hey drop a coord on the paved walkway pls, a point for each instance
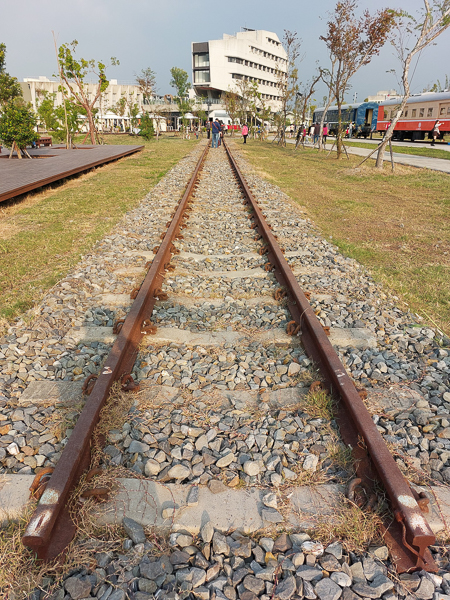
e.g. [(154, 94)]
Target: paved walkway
[(412, 160)]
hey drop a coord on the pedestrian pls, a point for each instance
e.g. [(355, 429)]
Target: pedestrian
[(436, 132), (244, 132), (219, 143), (208, 129), (215, 129), (350, 130), (316, 133), (325, 134)]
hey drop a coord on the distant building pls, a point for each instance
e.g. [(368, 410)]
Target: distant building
[(34, 89), (382, 95), (38, 85), (254, 55)]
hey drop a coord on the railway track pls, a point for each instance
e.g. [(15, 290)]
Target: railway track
[(219, 252)]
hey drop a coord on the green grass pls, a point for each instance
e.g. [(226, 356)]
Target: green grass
[(396, 224), (429, 152), (43, 235)]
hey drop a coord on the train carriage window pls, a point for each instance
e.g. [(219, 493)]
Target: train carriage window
[(414, 112), (421, 112), (448, 110), (430, 112), (442, 110), (406, 114)]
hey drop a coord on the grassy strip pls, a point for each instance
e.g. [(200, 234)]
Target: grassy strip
[(429, 152), (44, 234), (397, 224)]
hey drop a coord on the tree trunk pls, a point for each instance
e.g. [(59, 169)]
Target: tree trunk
[(322, 121), (390, 130), (91, 125), (339, 133)]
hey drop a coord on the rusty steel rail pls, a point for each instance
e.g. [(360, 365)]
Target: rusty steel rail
[(410, 534), (50, 528)]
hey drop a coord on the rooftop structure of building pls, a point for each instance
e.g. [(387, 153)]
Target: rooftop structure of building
[(252, 55)]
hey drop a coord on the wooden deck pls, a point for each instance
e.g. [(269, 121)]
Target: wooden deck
[(54, 163)]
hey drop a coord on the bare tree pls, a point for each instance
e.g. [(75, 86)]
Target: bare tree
[(146, 81), (327, 77), (352, 43), (434, 20), (287, 81), (306, 95), (231, 102)]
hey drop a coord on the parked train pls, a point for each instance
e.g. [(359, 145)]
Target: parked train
[(419, 117), (363, 115)]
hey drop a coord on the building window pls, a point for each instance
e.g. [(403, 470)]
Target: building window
[(201, 76), (201, 60), (430, 112), (233, 59)]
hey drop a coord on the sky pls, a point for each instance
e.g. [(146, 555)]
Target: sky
[(158, 34)]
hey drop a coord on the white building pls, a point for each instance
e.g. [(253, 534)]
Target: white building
[(113, 93), (35, 87), (382, 95), (254, 55)]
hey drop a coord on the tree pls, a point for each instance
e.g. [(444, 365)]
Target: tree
[(17, 127), (287, 81), (46, 110), (9, 86), (434, 20), (306, 95), (120, 107), (352, 43), (54, 119), (437, 86), (133, 111), (147, 131), (146, 81), (74, 72), (231, 102), (199, 112), (180, 81)]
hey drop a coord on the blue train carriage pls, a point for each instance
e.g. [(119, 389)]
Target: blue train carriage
[(363, 116)]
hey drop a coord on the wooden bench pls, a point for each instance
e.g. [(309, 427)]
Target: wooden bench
[(44, 141)]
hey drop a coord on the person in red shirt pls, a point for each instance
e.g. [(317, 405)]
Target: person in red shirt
[(245, 132), (324, 134)]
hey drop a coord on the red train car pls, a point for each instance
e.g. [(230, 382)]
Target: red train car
[(419, 116)]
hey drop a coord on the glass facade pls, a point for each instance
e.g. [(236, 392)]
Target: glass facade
[(201, 76), (201, 60)]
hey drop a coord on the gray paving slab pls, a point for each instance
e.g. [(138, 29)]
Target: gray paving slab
[(41, 392), (116, 300), (14, 496), (355, 337), (144, 500), (342, 338)]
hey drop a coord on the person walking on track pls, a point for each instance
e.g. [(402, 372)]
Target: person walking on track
[(216, 129)]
